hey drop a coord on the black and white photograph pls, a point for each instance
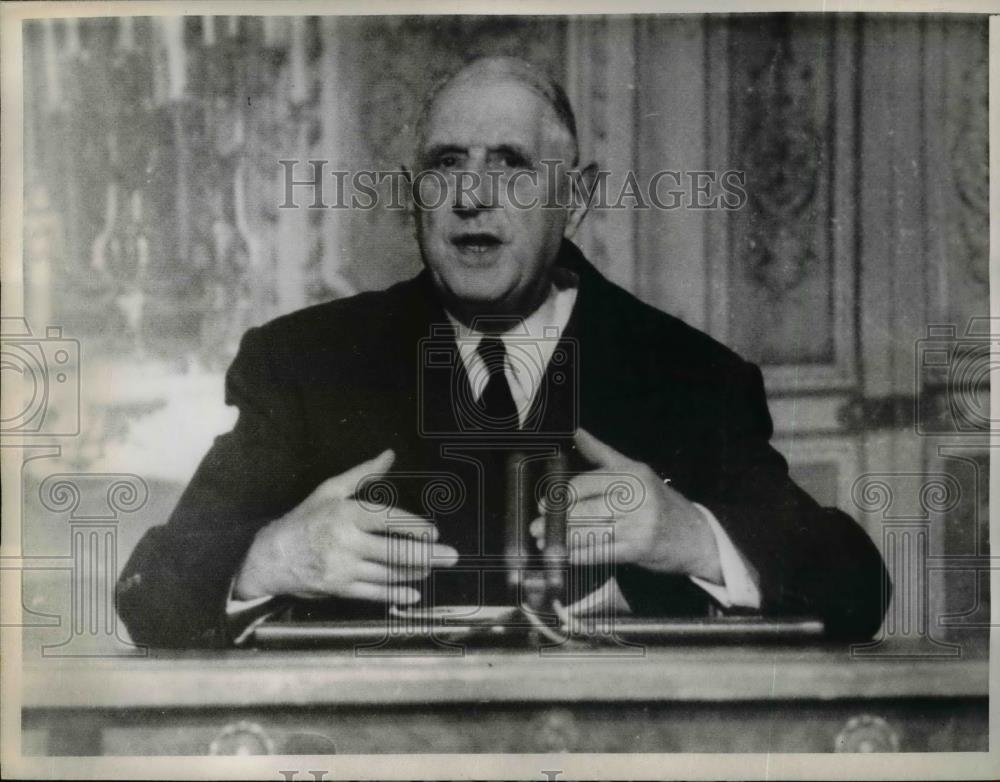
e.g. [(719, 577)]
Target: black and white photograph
[(427, 392)]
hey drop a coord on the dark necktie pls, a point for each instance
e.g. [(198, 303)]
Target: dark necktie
[(497, 413), (496, 405)]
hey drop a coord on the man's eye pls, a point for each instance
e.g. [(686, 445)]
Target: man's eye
[(511, 160), (447, 161)]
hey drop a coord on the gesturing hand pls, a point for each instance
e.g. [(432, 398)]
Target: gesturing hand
[(664, 532), (329, 545)]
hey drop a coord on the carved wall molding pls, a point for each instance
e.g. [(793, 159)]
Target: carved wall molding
[(781, 147), (780, 96), (969, 154)]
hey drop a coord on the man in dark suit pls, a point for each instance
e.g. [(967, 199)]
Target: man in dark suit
[(401, 407)]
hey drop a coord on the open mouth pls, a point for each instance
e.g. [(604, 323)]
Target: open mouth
[(476, 243)]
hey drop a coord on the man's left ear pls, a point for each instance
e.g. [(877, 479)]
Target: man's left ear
[(582, 183)]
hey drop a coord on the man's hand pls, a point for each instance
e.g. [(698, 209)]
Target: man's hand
[(665, 532), (330, 546)]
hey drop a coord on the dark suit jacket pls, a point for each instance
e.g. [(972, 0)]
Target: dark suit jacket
[(327, 387)]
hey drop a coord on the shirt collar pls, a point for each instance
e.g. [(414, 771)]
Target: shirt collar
[(546, 322), (532, 339)]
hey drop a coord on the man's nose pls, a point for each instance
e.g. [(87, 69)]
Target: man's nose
[(474, 192)]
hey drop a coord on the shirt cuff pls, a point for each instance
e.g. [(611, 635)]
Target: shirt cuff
[(740, 584), (606, 598), (243, 616)]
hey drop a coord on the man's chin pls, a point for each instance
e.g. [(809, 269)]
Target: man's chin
[(468, 301), (483, 303)]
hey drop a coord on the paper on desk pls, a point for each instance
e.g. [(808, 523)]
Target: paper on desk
[(605, 598)]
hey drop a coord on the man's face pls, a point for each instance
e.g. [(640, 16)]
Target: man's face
[(486, 255)]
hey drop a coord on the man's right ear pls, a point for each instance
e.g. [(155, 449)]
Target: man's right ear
[(408, 190)]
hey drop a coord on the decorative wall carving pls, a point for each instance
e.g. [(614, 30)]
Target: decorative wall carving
[(788, 258), (782, 152)]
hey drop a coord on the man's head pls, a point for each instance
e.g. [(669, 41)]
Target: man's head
[(491, 237)]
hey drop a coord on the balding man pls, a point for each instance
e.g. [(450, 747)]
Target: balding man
[(508, 341)]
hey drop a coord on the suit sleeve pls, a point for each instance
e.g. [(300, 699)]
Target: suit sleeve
[(811, 560), (173, 590)]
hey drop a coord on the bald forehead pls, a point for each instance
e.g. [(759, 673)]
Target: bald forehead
[(500, 95), (492, 113)]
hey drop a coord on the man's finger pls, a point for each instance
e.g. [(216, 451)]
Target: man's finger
[(405, 552), (368, 521), (599, 550), (580, 536), (346, 484), (400, 595), (593, 507), (586, 486), (601, 484), (597, 453), (596, 508), (375, 573)]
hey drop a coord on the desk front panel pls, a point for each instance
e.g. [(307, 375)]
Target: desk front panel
[(922, 725), (681, 699)]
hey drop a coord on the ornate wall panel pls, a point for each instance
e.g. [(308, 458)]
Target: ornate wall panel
[(789, 257), (957, 159), (957, 281), (863, 142)]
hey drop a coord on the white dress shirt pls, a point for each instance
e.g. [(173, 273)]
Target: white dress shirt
[(529, 347)]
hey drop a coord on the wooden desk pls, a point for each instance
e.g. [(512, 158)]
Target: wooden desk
[(692, 699)]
